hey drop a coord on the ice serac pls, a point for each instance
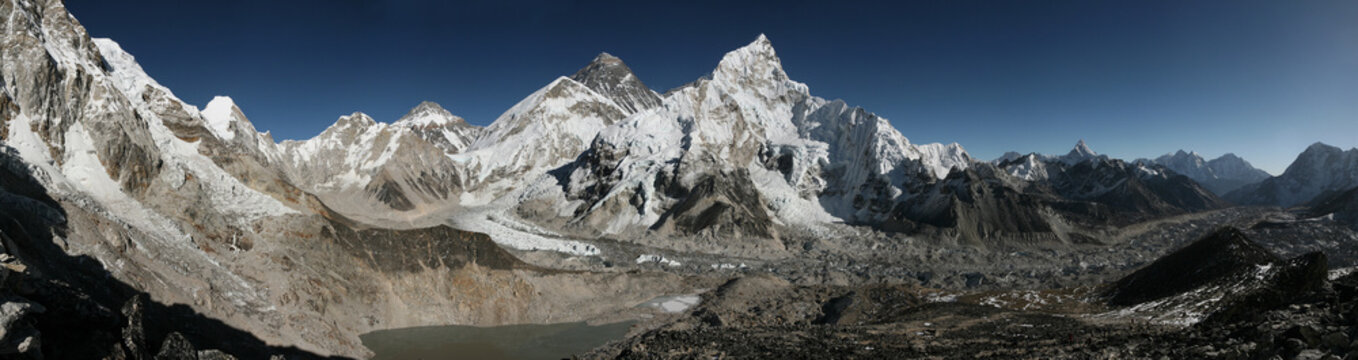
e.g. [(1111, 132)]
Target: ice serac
[(781, 155), (220, 114), (1319, 169), (610, 77), (1220, 175)]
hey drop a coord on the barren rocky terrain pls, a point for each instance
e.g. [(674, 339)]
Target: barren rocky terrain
[(737, 216)]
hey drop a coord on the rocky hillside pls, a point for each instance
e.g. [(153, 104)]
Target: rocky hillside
[(115, 189), (1243, 304), (1319, 169), (1041, 198), (1341, 205)]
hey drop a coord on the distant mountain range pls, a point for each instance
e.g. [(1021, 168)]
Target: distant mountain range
[(372, 220), (1221, 175), (1318, 170)]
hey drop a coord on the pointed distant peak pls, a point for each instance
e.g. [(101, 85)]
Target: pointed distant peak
[(1181, 152), (1320, 146), (1230, 156), (429, 105), (1082, 149), (604, 69), (427, 108), (1079, 154), (356, 118), (757, 60), (608, 76), (760, 45), (429, 113), (761, 39)]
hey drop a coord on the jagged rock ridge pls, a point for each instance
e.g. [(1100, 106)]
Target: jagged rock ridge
[(1319, 169), (1221, 175)]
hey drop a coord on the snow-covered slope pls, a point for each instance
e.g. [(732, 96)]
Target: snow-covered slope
[(777, 151), (542, 132), (132, 168), (440, 127), (1221, 175), (362, 166), (1319, 169)]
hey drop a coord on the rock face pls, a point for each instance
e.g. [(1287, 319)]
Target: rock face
[(112, 188), (608, 76), (807, 158), (1222, 278), (1211, 259), (436, 125), (1343, 205), (361, 166), (1319, 169), (1037, 198), (542, 132), (743, 151), (164, 229), (1248, 303), (1221, 175)]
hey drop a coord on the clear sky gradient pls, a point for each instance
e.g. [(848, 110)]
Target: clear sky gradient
[(1262, 79)]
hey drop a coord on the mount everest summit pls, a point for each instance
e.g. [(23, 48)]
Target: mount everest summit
[(139, 215)]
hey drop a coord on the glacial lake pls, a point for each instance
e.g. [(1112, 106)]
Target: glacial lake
[(510, 342)]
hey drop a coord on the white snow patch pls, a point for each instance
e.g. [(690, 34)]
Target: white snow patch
[(726, 266), (515, 235), (673, 304), (941, 297), (657, 259), (219, 114), (1342, 272)]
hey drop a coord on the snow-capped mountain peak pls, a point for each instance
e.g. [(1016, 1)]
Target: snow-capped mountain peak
[(754, 62), (1080, 153), (1318, 169), (356, 120), (1220, 175), (1081, 149), (220, 113), (610, 77), (606, 58), (543, 131), (428, 113), (439, 127)]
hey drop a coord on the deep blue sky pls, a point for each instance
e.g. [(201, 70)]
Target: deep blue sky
[(1263, 79)]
